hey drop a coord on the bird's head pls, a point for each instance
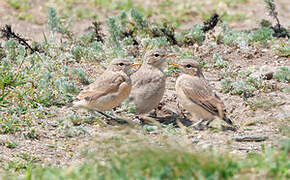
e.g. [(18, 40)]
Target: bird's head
[(157, 58), (190, 67), (121, 64)]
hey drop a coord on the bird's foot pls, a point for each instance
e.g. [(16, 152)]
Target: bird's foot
[(153, 114), (199, 125), (119, 120), (137, 119)]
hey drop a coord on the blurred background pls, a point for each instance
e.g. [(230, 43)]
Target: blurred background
[(30, 16)]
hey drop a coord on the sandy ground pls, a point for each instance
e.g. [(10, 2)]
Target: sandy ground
[(59, 143)]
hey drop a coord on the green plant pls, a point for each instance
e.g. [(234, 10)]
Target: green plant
[(226, 85), (243, 87), (261, 35), (283, 49), (192, 36), (21, 5), (219, 62), (12, 144), (283, 75), (21, 162), (81, 75), (56, 25), (169, 163), (262, 103)]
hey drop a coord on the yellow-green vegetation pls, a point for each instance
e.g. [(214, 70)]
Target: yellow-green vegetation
[(135, 158)]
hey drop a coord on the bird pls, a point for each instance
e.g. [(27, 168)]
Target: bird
[(195, 95), (148, 83), (109, 90)]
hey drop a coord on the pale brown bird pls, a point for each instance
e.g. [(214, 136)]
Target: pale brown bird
[(196, 96), (148, 83), (109, 90)]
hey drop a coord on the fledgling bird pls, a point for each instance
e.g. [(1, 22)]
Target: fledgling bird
[(196, 96), (148, 83), (109, 90)]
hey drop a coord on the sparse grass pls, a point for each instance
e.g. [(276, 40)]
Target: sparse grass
[(244, 87), (283, 75), (243, 38), (219, 62), (18, 4), (172, 162), (36, 86), (263, 103), (192, 36), (262, 35), (283, 49)]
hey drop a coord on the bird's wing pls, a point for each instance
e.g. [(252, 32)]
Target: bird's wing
[(144, 77), (146, 83), (199, 92), (105, 84)]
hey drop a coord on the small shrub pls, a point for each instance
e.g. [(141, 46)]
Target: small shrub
[(219, 62), (56, 25), (226, 85), (192, 36), (243, 87), (283, 49), (283, 75), (262, 35), (81, 75)]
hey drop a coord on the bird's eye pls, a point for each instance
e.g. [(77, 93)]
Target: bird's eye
[(156, 55), (188, 66), (121, 64)]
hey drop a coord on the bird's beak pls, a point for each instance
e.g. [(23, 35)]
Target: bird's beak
[(170, 55), (136, 64), (176, 65)]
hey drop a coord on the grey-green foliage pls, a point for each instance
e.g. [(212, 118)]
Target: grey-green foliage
[(115, 31), (234, 37), (241, 86), (145, 162), (192, 36), (11, 75), (219, 62), (33, 80), (81, 75), (56, 25), (122, 30), (282, 49), (244, 38), (139, 19), (262, 35), (87, 48), (154, 43), (226, 85), (283, 75)]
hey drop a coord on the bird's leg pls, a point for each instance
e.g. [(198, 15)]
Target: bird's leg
[(153, 114), (208, 122), (199, 124), (93, 114), (119, 120), (145, 119), (138, 120), (181, 112)]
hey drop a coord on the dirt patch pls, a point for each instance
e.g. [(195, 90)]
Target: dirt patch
[(59, 142)]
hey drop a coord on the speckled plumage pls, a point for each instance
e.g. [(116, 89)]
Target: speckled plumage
[(109, 90), (196, 96), (148, 83)]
